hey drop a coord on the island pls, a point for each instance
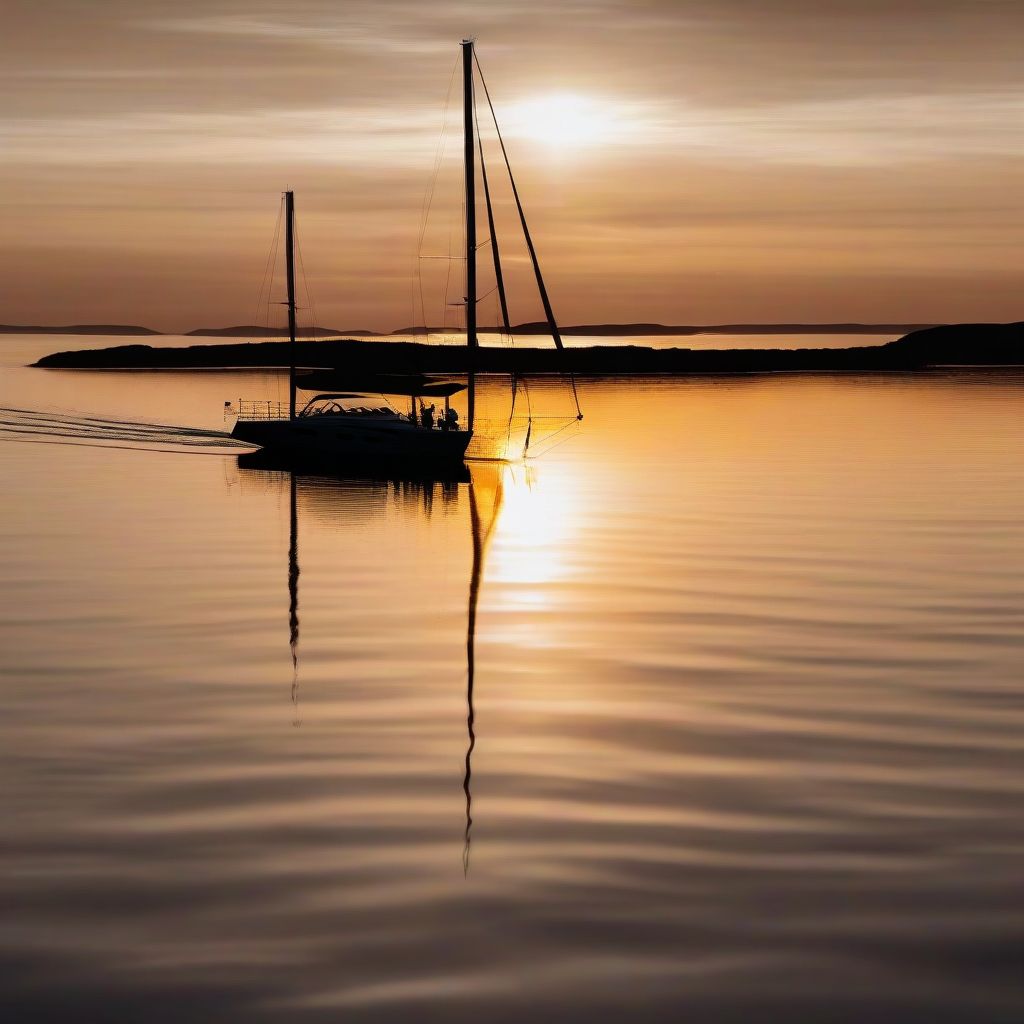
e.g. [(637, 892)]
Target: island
[(631, 330), (960, 344), (532, 327), (77, 329), (252, 331)]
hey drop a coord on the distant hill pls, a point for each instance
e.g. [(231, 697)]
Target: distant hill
[(251, 331), (967, 344), (534, 327), (77, 329), (645, 329)]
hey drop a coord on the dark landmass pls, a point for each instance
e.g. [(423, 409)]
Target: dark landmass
[(803, 329), (403, 356), (967, 345), (77, 329), (962, 344), (269, 332), (640, 330)]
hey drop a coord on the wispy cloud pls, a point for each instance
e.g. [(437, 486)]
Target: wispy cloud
[(345, 34), (873, 132), (355, 136)]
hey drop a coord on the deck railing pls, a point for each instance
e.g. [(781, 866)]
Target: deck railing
[(246, 409)]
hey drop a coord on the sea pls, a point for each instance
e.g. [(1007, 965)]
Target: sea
[(713, 712)]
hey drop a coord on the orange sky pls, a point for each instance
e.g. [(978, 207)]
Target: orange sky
[(715, 161)]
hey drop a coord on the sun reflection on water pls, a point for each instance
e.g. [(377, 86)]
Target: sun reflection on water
[(538, 514)]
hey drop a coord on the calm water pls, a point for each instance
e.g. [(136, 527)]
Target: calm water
[(746, 737)]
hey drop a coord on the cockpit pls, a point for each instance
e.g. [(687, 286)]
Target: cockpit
[(345, 405)]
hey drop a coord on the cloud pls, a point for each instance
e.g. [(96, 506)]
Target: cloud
[(885, 130), (717, 130), (345, 34), (357, 136), (877, 131)]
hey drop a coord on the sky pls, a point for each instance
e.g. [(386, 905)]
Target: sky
[(681, 161)]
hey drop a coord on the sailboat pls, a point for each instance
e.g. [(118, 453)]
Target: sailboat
[(348, 423), (341, 418)]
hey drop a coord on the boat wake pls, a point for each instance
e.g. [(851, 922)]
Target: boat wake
[(75, 428)]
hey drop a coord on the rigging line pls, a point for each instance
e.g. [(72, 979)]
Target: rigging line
[(550, 448), (260, 304), (428, 196), (263, 303), (557, 419), (550, 437), (268, 298), (270, 283), (438, 154), (545, 301), (314, 321), (447, 283), (499, 277)]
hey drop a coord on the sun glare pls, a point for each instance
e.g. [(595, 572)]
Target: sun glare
[(532, 536), (561, 120)]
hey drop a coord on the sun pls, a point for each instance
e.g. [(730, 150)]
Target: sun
[(561, 120)]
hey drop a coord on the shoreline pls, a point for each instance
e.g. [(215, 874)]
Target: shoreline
[(959, 344), (384, 356)]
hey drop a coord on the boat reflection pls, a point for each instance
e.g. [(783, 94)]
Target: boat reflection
[(486, 493), (355, 474), (293, 591), (364, 490)]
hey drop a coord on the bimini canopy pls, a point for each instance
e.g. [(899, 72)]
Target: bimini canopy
[(410, 384)]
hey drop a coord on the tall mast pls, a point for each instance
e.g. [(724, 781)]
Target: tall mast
[(289, 257), (545, 301), (470, 173)]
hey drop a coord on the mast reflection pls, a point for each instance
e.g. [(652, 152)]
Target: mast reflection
[(484, 479), (293, 593), (368, 492)]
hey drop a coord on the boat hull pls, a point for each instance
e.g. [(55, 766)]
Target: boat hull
[(346, 439)]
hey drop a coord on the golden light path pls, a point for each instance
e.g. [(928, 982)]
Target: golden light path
[(532, 532)]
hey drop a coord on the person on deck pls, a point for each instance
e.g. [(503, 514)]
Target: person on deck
[(428, 417), (451, 420)]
